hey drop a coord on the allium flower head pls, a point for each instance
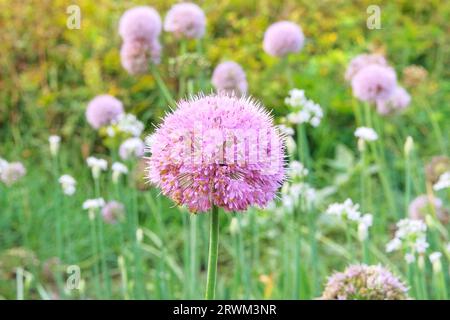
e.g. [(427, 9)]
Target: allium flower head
[(118, 169), (97, 166), (411, 235), (423, 205), (185, 20), (54, 142), (443, 182), (398, 101), (217, 150), (297, 170), (414, 75), (361, 61), (363, 282), (436, 167), (131, 148), (135, 55), (140, 23), (374, 82), (366, 134), (283, 37), (93, 204), (229, 77), (102, 110), (303, 110), (68, 184), (113, 212), (11, 172), (3, 164), (126, 124)]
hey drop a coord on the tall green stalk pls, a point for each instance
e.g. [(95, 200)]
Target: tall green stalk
[(101, 241), (213, 253), (162, 86)]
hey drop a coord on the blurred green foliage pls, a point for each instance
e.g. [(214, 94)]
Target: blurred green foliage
[(49, 72)]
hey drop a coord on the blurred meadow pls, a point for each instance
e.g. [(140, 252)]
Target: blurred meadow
[(49, 73)]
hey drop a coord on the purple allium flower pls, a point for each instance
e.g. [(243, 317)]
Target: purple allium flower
[(283, 37), (363, 282), (140, 23), (436, 167), (102, 110), (217, 150), (374, 83), (229, 77), (135, 55), (131, 148), (113, 212), (398, 101), (361, 61), (424, 205), (12, 172), (185, 20)]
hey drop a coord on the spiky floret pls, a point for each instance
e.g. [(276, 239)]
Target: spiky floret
[(217, 150)]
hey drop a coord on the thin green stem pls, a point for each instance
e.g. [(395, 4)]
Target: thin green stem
[(162, 86), (213, 254)]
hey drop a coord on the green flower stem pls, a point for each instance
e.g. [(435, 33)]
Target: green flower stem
[(182, 78), (139, 283), (162, 86), (213, 253), (193, 255), (104, 267), (378, 153), (407, 182), (200, 74), (95, 255), (57, 209)]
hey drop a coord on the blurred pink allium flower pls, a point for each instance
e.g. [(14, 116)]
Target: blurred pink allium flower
[(12, 172), (102, 110), (374, 83), (398, 101), (283, 37), (361, 61), (140, 23), (113, 212), (217, 150), (185, 20), (135, 55), (424, 205), (131, 148), (363, 282), (229, 77)]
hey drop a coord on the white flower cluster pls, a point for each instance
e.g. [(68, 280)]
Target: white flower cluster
[(96, 165), (131, 148), (297, 170), (118, 169), (305, 110), (125, 123), (443, 182), (292, 194), (93, 204), (349, 211), (435, 259), (410, 235), (366, 134), (68, 184), (54, 142)]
